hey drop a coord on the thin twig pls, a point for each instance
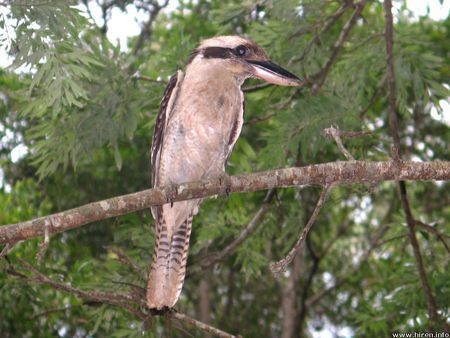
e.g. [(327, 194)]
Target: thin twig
[(334, 133), (59, 309), (352, 134), (6, 249), (250, 89), (245, 233), (394, 128), (95, 295), (376, 95), (279, 267), (43, 246), (136, 76), (322, 74), (328, 24), (128, 302), (341, 280), (258, 119), (88, 10), (137, 291), (128, 262), (391, 239), (200, 325), (124, 301), (147, 30), (442, 237), (332, 241)]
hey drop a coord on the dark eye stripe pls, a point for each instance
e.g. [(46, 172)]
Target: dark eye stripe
[(224, 52), (217, 53)]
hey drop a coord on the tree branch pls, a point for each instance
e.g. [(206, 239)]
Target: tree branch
[(394, 128), (6, 249), (340, 281), (128, 302), (121, 300), (43, 247), (258, 119), (246, 232), (279, 267), (335, 134), (259, 86), (337, 47), (336, 173), (147, 30), (442, 237), (325, 27), (137, 76), (128, 262), (202, 326)]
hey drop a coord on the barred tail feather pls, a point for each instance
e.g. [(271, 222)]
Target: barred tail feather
[(168, 268)]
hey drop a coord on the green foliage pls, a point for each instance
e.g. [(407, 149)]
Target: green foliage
[(86, 121)]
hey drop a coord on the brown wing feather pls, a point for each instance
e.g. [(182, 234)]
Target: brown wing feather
[(236, 130), (165, 109), (161, 122), (169, 256)]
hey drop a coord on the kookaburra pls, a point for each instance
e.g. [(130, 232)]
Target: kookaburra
[(199, 121)]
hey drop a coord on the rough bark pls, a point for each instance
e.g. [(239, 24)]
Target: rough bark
[(403, 194), (205, 303), (335, 173), (289, 299)]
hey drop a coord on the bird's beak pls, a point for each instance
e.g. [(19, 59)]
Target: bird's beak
[(272, 73)]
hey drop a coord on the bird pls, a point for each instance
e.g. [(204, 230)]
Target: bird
[(198, 123)]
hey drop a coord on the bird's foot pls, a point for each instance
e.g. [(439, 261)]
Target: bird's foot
[(171, 193), (225, 182), (162, 311)]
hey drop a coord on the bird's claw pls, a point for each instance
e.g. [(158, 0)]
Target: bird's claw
[(171, 193), (161, 312), (225, 180)]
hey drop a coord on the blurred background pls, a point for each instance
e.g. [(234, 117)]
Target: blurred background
[(80, 86)]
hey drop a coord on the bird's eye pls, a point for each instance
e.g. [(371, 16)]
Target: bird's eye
[(241, 50)]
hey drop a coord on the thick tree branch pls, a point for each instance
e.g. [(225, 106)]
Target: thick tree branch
[(336, 173), (394, 128)]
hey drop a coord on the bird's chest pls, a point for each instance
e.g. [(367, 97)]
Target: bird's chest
[(206, 120), (202, 131)]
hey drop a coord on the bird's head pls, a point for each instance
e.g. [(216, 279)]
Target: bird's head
[(243, 58)]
